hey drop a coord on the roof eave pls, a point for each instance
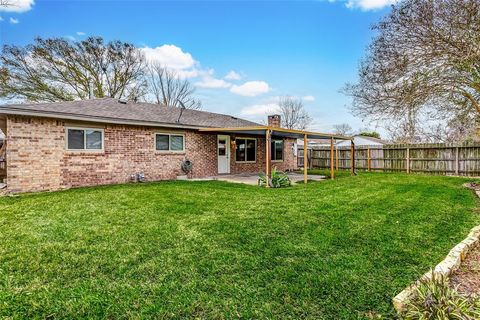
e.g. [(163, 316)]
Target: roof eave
[(300, 133), (68, 116)]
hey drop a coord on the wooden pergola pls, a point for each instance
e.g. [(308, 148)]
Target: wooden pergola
[(268, 132)]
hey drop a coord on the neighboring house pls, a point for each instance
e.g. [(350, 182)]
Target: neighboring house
[(52, 146), (358, 140), (362, 141)]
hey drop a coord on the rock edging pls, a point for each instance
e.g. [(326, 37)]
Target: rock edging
[(445, 268)]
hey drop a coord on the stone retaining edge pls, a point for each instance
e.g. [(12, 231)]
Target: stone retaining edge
[(445, 268)]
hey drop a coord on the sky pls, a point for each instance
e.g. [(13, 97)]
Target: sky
[(240, 55)]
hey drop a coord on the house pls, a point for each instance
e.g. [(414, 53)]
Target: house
[(357, 139), (53, 146), (362, 141)]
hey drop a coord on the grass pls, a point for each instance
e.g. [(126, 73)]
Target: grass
[(326, 173), (332, 250)]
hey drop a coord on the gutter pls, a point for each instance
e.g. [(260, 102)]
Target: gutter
[(109, 120)]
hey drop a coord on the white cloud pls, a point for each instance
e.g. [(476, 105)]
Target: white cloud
[(251, 88), (232, 75), (212, 83), (81, 33), (183, 74), (170, 56), (18, 6), (14, 21), (260, 109), (69, 37), (369, 4), (308, 98)]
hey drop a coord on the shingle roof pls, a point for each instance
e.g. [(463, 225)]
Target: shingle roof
[(128, 112)]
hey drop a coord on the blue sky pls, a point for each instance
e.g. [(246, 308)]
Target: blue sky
[(241, 55)]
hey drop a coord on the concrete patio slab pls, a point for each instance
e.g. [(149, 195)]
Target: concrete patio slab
[(252, 179)]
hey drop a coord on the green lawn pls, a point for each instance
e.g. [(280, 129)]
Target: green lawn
[(331, 250)]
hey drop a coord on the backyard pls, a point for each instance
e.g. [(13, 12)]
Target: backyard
[(327, 250)]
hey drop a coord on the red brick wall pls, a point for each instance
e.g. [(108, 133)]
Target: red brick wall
[(289, 162), (37, 159), (129, 150)]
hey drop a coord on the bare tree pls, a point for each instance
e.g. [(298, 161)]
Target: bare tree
[(169, 89), (426, 57), (6, 3), (293, 113), (58, 70), (343, 129)]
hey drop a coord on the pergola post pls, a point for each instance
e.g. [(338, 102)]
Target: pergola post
[(352, 158), (332, 160), (305, 159), (267, 155)]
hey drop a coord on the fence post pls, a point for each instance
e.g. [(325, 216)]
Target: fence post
[(456, 161), (337, 155), (408, 160), (332, 159), (369, 159), (352, 158)]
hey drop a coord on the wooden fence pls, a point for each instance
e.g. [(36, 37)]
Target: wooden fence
[(434, 158)]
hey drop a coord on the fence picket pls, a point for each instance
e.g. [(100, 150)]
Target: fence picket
[(434, 158)]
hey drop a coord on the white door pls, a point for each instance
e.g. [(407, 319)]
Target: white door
[(223, 154)]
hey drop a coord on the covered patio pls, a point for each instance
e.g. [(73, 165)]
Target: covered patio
[(271, 132)]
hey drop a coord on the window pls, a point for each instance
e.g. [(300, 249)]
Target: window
[(84, 139), (246, 150), (169, 142), (222, 147), (277, 150)]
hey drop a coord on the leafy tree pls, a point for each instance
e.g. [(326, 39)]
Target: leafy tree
[(293, 113), (424, 60), (59, 70), (372, 134), (169, 89)]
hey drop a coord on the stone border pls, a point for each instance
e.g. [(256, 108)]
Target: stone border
[(445, 268)]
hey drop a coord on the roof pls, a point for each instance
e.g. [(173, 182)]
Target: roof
[(373, 139), (276, 132), (364, 140), (110, 110)]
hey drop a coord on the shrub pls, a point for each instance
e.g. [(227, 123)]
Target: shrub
[(435, 299), (278, 179)]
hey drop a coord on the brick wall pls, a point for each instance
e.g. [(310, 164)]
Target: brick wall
[(35, 149), (289, 162), (37, 159)]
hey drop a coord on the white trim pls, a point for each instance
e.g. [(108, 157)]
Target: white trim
[(101, 130), (245, 138), (169, 134)]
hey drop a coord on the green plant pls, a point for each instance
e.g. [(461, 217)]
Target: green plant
[(277, 180), (435, 299), (372, 134)]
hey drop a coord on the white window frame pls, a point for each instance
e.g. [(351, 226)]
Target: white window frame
[(272, 152), (85, 139), (245, 138), (169, 134)]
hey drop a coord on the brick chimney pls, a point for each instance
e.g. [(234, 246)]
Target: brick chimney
[(274, 120)]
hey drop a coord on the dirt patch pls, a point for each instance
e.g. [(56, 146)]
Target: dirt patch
[(467, 278)]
